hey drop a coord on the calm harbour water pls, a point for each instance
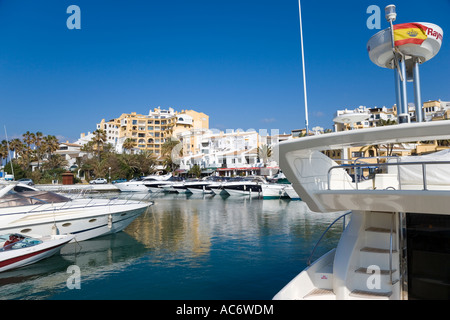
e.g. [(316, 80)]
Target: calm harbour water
[(186, 248)]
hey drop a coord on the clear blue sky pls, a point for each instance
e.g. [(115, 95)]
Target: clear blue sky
[(237, 60)]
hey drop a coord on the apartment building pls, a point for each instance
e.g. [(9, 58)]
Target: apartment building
[(363, 117), (149, 132), (230, 153)]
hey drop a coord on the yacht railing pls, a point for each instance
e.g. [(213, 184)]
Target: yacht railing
[(326, 230), (391, 248), (378, 165), (91, 204)]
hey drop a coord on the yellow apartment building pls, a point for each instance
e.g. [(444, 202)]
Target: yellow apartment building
[(149, 132)]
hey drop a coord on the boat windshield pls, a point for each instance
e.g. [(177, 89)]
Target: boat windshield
[(21, 196), (13, 241)]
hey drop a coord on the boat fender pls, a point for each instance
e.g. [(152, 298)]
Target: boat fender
[(109, 221)]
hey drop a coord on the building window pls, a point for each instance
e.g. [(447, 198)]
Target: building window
[(357, 154)]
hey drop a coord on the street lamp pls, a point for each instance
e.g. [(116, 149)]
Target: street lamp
[(109, 169)]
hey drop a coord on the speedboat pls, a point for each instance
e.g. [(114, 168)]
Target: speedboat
[(27, 210), (17, 250), (217, 187), (204, 186), (396, 243), (199, 187), (248, 186), (171, 183), (142, 184), (161, 185), (273, 190), (290, 191)]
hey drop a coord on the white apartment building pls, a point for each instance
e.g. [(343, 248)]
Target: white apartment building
[(230, 153), (370, 117)]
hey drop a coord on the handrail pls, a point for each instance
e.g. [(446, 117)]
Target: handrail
[(391, 248), (323, 234), (364, 165)]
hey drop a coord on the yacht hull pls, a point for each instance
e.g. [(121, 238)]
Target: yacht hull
[(93, 220)]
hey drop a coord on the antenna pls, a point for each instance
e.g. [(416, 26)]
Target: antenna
[(303, 66)]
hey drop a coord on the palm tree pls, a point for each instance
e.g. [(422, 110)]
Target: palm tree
[(49, 145), (196, 171), (28, 138), (99, 140), (3, 151), (38, 151), (171, 150), (264, 153), (16, 146), (128, 144)]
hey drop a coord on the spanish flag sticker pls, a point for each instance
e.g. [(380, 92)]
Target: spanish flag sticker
[(405, 33)]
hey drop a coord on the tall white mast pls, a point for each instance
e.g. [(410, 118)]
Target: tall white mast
[(303, 66)]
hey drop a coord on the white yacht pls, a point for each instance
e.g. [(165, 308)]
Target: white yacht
[(207, 185), (248, 186), (396, 245), (273, 190), (27, 210), (142, 185)]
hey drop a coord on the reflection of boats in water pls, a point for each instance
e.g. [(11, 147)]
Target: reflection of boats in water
[(27, 210), (17, 250)]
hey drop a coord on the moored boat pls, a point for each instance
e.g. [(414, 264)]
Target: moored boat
[(396, 245), (248, 186), (27, 210), (17, 250), (273, 190)]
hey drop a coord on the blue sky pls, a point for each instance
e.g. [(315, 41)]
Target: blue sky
[(239, 61)]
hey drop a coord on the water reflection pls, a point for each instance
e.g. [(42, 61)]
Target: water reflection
[(210, 244)]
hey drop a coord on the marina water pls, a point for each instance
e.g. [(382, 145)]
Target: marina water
[(185, 247)]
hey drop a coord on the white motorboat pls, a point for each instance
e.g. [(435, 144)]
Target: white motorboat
[(171, 183), (27, 210), (290, 191), (17, 250), (143, 185), (205, 185), (249, 186), (199, 187), (273, 190)]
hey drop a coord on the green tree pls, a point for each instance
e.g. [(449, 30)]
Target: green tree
[(195, 171), (128, 145), (99, 140)]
